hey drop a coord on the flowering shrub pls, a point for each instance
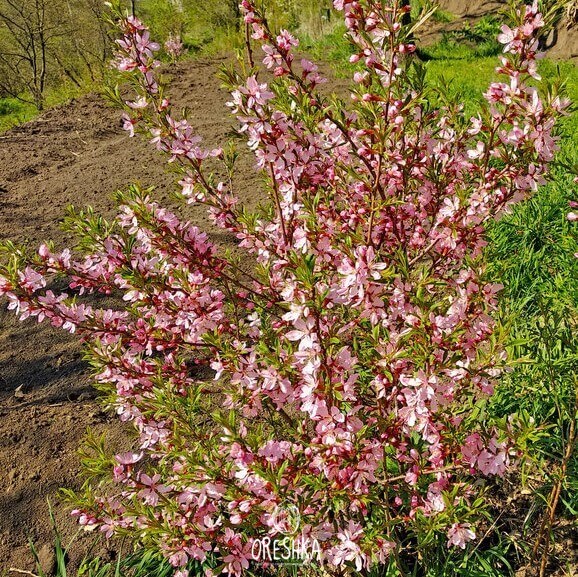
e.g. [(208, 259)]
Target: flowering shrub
[(351, 359), (174, 47)]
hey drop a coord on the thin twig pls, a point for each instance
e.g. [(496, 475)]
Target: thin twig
[(22, 572), (248, 46), (550, 513), (278, 204)]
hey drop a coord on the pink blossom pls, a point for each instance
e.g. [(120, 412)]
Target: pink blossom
[(174, 46), (128, 458), (153, 490), (459, 534)]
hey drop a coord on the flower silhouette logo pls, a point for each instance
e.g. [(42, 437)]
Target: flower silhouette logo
[(286, 519)]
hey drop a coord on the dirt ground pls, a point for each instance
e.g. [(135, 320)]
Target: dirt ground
[(76, 154)]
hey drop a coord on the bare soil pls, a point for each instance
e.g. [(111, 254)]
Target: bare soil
[(76, 154)]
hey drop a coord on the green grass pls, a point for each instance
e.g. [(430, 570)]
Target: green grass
[(14, 112), (332, 48), (442, 16), (531, 252)]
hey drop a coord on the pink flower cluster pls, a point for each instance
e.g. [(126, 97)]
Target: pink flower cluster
[(349, 360), (174, 47)]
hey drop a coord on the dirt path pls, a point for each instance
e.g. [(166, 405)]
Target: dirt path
[(78, 155)]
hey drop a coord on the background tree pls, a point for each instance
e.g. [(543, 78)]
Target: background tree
[(25, 34), (42, 42)]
